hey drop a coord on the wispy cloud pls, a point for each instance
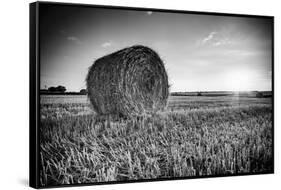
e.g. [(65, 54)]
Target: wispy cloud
[(209, 37), (74, 39), (220, 42), (214, 39), (106, 44)]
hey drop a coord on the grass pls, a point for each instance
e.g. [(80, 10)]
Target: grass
[(196, 136)]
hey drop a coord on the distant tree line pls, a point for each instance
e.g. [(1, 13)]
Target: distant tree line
[(61, 90), (253, 94), (186, 94)]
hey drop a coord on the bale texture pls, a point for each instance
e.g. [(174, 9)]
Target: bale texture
[(130, 82)]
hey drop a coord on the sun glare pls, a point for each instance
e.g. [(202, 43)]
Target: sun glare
[(240, 80)]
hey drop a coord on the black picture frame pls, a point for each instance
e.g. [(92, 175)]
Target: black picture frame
[(34, 91)]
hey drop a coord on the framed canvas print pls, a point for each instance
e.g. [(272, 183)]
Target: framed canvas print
[(120, 94)]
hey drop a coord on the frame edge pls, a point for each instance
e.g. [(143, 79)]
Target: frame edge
[(33, 142)]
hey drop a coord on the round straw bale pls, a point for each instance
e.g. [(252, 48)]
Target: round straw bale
[(130, 82)]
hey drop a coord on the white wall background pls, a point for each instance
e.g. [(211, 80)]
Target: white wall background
[(14, 73)]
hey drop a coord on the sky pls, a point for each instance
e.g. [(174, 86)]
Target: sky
[(200, 52)]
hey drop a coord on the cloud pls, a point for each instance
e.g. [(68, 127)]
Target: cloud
[(222, 41), (106, 44), (74, 39), (215, 39), (209, 37), (149, 13)]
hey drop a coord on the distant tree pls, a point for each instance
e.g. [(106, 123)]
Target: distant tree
[(59, 88), (83, 91), (52, 89), (259, 95), (199, 94)]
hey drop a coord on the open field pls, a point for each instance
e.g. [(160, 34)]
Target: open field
[(195, 136)]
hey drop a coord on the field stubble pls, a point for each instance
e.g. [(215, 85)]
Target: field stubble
[(196, 136)]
